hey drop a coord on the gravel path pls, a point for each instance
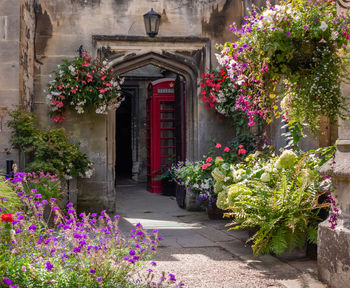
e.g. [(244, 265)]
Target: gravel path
[(210, 267)]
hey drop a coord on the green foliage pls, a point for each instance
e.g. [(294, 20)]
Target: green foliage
[(24, 129), (9, 201), (284, 206), (50, 149)]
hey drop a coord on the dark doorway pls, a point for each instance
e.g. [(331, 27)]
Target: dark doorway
[(123, 138)]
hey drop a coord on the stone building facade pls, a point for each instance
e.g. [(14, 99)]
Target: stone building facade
[(35, 35)]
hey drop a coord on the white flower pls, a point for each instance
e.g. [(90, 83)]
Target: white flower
[(71, 69), (265, 177), (323, 26), (80, 110), (68, 177), (104, 62), (89, 173), (334, 35)]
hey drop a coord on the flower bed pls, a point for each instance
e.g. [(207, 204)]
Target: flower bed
[(278, 195), (85, 250)]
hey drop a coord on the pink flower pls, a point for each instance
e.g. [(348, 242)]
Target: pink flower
[(74, 91), (103, 90), (85, 64), (227, 149), (103, 78), (60, 87), (209, 159), (218, 145), (241, 150)]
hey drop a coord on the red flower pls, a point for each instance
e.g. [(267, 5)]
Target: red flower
[(103, 78), (227, 149), (6, 218), (205, 166), (218, 145), (241, 150)]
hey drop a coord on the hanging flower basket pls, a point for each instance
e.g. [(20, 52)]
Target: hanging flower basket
[(299, 46), (82, 83)]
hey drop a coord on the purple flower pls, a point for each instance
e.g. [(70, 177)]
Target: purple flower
[(32, 227), (48, 266), (99, 279), (172, 277), (54, 208), (70, 204), (70, 211), (53, 199), (132, 252), (288, 33), (153, 263), (7, 281), (116, 216), (34, 190), (92, 271), (20, 193)]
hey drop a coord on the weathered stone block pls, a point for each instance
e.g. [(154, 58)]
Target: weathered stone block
[(8, 49), (333, 258), (9, 76), (3, 27)]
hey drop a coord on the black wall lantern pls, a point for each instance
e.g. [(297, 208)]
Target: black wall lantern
[(152, 19)]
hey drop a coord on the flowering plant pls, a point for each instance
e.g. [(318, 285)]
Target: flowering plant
[(279, 195), (198, 175), (49, 149), (85, 250), (82, 82), (294, 51), (43, 184), (219, 93)]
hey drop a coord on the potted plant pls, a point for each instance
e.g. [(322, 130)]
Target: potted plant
[(167, 179), (278, 196)]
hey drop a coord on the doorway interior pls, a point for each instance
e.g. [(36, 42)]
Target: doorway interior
[(131, 123)]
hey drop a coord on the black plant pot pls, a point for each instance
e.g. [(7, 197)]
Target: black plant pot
[(168, 187), (180, 196), (214, 213)]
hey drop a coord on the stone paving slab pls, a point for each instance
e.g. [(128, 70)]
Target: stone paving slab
[(191, 237), (214, 235)]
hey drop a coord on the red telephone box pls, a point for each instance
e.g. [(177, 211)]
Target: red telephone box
[(161, 130)]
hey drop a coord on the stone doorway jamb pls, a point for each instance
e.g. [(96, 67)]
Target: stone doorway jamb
[(187, 56)]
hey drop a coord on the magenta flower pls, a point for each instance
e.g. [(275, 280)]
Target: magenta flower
[(48, 266)]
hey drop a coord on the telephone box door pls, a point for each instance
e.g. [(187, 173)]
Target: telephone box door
[(161, 131)]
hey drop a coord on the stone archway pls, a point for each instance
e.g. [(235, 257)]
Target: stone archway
[(188, 57)]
